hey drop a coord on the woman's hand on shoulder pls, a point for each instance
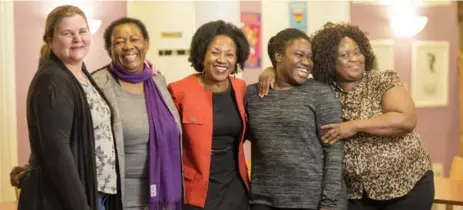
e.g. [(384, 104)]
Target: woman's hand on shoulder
[(266, 81), (398, 100), (153, 67)]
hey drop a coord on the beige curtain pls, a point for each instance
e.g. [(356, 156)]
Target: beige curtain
[(8, 136)]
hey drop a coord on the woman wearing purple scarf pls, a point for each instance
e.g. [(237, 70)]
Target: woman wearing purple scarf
[(146, 123)]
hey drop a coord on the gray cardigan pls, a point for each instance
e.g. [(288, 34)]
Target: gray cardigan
[(102, 78)]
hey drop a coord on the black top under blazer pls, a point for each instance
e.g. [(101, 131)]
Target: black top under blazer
[(62, 164)]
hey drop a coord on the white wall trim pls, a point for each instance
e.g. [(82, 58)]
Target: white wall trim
[(8, 127)]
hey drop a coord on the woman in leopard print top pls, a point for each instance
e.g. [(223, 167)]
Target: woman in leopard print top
[(385, 164)]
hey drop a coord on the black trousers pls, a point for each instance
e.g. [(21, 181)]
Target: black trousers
[(420, 197)]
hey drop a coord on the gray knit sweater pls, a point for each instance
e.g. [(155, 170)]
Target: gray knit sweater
[(291, 167)]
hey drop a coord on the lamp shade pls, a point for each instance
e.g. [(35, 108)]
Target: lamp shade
[(408, 26), (94, 25)]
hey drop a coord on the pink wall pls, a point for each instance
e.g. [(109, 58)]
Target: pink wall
[(29, 21), (438, 127)]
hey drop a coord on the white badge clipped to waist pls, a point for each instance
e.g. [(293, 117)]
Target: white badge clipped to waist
[(153, 190)]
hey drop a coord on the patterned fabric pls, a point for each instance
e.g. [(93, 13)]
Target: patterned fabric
[(385, 167), (104, 142)]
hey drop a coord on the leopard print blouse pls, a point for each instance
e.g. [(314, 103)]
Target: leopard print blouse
[(383, 167)]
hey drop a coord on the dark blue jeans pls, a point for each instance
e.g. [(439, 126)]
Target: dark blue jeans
[(102, 200)]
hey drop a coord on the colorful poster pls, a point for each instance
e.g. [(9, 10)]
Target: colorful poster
[(298, 15), (251, 27)]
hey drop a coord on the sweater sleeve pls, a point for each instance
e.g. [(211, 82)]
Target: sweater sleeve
[(251, 92), (328, 110), (54, 113)]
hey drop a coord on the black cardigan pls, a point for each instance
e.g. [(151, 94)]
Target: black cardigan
[(62, 162)]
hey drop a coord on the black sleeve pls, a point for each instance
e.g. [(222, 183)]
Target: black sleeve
[(54, 113)]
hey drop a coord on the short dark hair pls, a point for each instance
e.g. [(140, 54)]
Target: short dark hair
[(124, 20), (325, 43), (204, 36), (281, 40)]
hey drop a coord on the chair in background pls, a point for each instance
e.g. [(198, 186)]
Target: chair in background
[(17, 192), (456, 170), (438, 170), (456, 173)]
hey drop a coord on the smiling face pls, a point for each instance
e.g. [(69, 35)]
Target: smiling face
[(71, 39), (220, 59), (128, 47), (295, 64), (350, 63)]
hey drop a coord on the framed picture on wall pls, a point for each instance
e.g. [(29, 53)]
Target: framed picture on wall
[(251, 27), (384, 52), (298, 15), (429, 76)]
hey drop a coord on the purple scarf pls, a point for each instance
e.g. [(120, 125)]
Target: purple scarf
[(165, 175)]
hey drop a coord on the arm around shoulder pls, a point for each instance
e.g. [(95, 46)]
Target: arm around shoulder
[(399, 115)]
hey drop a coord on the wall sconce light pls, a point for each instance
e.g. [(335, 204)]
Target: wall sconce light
[(86, 6), (94, 25), (408, 27), (404, 21)]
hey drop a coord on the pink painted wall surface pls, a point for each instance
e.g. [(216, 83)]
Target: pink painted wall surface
[(438, 127), (29, 26)]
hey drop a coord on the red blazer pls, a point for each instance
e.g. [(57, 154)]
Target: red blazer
[(194, 104)]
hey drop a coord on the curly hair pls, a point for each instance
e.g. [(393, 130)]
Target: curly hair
[(125, 20), (204, 36), (279, 42), (325, 44)]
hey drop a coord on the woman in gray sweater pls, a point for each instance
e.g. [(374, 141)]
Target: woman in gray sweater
[(291, 167)]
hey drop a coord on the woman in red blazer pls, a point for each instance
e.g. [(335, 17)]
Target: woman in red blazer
[(211, 105)]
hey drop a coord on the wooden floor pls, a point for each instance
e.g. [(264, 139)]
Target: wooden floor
[(9, 206)]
